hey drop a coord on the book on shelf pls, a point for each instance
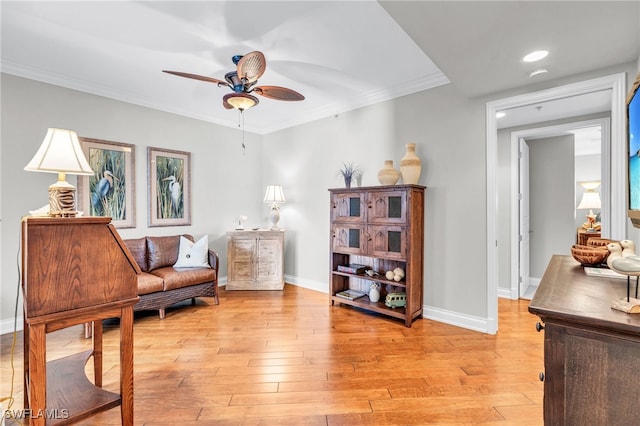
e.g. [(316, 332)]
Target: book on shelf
[(353, 268), (350, 294)]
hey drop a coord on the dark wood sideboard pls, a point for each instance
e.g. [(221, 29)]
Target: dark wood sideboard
[(75, 270), (591, 352)]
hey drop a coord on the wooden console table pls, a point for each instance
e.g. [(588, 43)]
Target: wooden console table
[(74, 270), (590, 350)]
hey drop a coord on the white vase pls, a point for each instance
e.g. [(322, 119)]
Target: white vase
[(388, 175), (374, 292), (410, 165)]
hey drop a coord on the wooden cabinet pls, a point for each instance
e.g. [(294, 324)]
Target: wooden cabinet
[(74, 271), (590, 350), (255, 260), (381, 227)]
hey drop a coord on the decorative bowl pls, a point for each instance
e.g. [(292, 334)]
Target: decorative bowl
[(589, 255)]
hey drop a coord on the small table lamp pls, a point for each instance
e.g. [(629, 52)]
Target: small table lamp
[(60, 153), (274, 195), (590, 200)]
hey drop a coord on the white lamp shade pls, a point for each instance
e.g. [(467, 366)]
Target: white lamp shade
[(274, 194), (60, 152), (590, 200)]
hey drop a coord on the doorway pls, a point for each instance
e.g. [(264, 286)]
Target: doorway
[(523, 284), (616, 169)]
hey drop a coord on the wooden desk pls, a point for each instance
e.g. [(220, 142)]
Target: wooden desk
[(74, 270), (583, 236), (590, 350)]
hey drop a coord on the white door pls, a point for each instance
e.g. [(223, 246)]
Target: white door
[(524, 216)]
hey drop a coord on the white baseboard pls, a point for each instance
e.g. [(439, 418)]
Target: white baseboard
[(506, 293), (6, 325), (457, 319), (320, 286)]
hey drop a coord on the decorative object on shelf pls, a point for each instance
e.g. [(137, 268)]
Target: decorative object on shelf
[(396, 300), (111, 190), (240, 222), (275, 196), (60, 153), (169, 196), (398, 274), (349, 171), (410, 165), (388, 175), (374, 292), (371, 272), (389, 275), (590, 200)]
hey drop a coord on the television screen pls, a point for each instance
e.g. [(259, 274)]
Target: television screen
[(633, 164), (633, 135)]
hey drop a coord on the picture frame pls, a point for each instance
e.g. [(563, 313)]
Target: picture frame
[(169, 187), (111, 190)]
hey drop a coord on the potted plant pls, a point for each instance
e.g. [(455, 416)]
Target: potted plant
[(349, 171)]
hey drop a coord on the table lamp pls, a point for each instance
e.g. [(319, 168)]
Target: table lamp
[(274, 195), (60, 153), (590, 200)]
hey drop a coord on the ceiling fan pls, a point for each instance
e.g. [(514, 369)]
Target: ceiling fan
[(250, 68)]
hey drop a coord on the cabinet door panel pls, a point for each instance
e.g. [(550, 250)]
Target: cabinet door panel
[(348, 239), (242, 253), (387, 206), (387, 241), (348, 207), (269, 260)]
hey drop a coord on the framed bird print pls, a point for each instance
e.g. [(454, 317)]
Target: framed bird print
[(111, 189), (169, 196)]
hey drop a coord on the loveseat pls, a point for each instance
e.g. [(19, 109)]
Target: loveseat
[(160, 284)]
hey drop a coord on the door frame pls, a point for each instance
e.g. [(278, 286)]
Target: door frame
[(616, 83), (605, 194)]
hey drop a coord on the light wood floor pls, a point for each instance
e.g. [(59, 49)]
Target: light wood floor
[(271, 358)]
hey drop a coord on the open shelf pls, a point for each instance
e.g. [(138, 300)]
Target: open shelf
[(375, 279)]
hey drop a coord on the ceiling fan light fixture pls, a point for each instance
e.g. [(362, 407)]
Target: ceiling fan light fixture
[(241, 101)]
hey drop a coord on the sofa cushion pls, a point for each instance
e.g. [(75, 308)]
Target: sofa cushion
[(184, 277), (193, 255), (138, 248), (149, 283), (162, 251)]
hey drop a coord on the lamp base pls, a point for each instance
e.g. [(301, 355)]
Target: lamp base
[(62, 199), (274, 217)]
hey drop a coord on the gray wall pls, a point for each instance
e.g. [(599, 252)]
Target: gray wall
[(551, 191), (448, 128), (225, 183)]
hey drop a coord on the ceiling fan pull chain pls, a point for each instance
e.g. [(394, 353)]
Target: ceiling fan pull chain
[(241, 120)]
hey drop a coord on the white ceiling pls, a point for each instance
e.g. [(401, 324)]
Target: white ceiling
[(341, 55)]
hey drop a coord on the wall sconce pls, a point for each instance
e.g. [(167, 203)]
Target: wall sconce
[(274, 195), (590, 200), (60, 153)]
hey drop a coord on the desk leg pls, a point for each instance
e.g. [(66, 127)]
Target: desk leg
[(97, 352), (37, 372), (126, 365)]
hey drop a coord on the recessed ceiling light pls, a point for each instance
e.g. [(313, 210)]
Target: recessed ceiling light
[(535, 56), (500, 114), (538, 72)]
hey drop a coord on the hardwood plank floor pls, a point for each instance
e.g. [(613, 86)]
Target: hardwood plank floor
[(288, 357)]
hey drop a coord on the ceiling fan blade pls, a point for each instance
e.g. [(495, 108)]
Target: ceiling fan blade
[(198, 77), (251, 66), (278, 93)]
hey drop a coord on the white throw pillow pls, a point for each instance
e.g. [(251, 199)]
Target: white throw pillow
[(193, 255)]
